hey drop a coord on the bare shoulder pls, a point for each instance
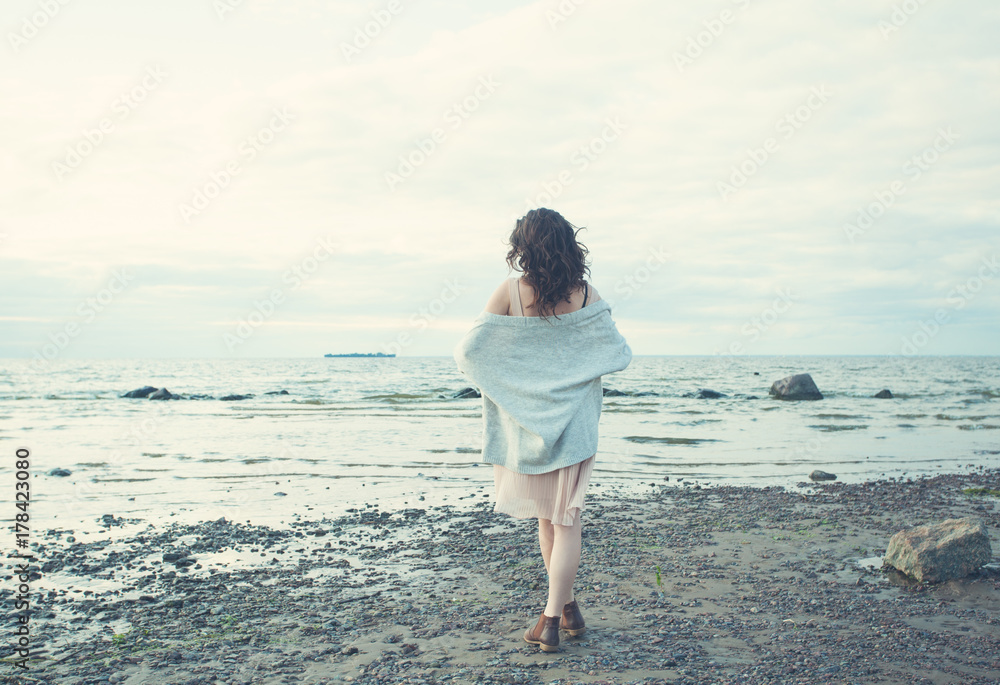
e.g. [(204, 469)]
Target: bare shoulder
[(499, 302), (594, 295)]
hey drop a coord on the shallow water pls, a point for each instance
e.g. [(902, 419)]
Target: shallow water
[(353, 432)]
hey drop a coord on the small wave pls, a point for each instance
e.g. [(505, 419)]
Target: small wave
[(122, 480), (979, 427), (910, 416), (827, 428), (395, 397), (839, 416), (668, 441)]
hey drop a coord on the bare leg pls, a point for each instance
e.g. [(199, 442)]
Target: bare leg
[(563, 565), (545, 537)]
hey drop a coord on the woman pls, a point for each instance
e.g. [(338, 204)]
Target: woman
[(539, 369)]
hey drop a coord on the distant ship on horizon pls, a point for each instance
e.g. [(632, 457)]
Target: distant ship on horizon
[(360, 354)]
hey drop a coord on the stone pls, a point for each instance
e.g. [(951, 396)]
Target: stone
[(798, 387), (884, 394), (60, 472), (235, 398), (163, 394), (706, 394), (822, 475), (276, 392), (942, 551), (611, 392), (140, 393), (465, 393)]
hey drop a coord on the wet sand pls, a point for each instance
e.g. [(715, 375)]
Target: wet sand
[(679, 583)]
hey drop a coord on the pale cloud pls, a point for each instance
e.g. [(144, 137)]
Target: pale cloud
[(654, 186)]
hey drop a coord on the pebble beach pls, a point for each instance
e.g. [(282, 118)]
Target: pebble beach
[(679, 583)]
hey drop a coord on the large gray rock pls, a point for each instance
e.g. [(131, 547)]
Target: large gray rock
[(884, 394), (941, 551), (163, 394), (798, 387)]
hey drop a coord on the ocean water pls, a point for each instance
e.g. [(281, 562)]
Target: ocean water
[(359, 433)]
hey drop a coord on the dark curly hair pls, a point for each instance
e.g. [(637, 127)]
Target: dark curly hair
[(544, 247)]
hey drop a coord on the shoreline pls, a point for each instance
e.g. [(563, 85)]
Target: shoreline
[(756, 585)]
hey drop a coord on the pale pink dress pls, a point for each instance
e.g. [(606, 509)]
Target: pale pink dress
[(556, 495)]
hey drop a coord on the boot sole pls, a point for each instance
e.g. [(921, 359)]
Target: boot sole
[(577, 632)]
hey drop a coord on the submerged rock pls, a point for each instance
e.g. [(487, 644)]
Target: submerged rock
[(163, 394), (465, 393), (798, 387), (822, 475), (611, 392), (60, 472), (706, 394), (942, 551), (144, 391), (884, 394), (235, 398), (276, 392)]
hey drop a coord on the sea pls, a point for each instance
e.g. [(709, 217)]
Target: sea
[(320, 437)]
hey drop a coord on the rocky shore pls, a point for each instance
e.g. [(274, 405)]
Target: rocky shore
[(679, 583)]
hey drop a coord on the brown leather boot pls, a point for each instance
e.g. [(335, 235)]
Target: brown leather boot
[(545, 634), (572, 619)]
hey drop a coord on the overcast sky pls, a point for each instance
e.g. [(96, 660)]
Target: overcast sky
[(262, 178)]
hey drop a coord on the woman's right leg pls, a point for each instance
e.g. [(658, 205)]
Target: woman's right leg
[(563, 565), (545, 539)]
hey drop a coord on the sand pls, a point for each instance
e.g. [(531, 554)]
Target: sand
[(679, 583)]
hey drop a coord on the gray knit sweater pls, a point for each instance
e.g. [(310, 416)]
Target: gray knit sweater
[(541, 384)]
